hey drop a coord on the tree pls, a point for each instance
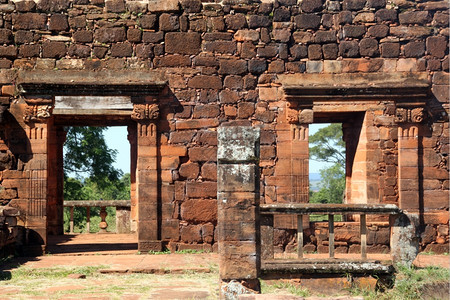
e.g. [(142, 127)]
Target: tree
[(328, 146), (89, 160), (86, 153)]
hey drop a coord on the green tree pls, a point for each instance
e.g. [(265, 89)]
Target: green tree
[(89, 160), (87, 155), (327, 145)]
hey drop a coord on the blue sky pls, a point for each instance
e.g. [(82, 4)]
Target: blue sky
[(116, 138)]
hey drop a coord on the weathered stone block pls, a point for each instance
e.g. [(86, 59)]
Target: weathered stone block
[(232, 66), (236, 21), (115, 6), (353, 4), (110, 35), (183, 42), (29, 21), (203, 153), (240, 145), (168, 22), (414, 49), (205, 189), (368, 47), (330, 51), (436, 46), (354, 31), (390, 50), (53, 49), (199, 210), (163, 6), (378, 31), (256, 21), (310, 6), (82, 36), (205, 82), (281, 14), (389, 15), (307, 21), (414, 17), (349, 49)]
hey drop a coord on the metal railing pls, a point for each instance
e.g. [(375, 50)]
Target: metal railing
[(268, 211), (103, 204)]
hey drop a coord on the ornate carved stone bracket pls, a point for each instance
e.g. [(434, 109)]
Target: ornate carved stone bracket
[(145, 112), (38, 109), (409, 115), (298, 114)]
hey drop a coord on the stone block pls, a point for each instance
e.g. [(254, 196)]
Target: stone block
[(201, 189), (414, 17), (310, 6), (196, 124), (315, 52), (203, 154), (122, 50), (354, 31), (54, 49), (147, 21), (199, 211), (349, 49), (29, 21), (237, 144), (257, 21), (236, 21), (223, 47), (307, 21), (110, 35), (436, 46), (209, 171), (378, 31), (414, 49), (174, 60), (236, 178), (368, 47), (206, 138), (353, 4), (205, 82), (189, 170), (168, 22), (390, 50), (232, 66), (183, 43), (163, 6), (388, 15)]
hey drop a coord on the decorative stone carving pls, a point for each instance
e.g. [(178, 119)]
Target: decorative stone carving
[(37, 113), (306, 116), (145, 111), (415, 115)]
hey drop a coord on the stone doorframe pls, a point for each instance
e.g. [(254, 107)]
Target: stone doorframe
[(38, 90), (398, 100)]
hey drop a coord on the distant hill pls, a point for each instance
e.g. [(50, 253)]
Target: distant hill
[(314, 181)]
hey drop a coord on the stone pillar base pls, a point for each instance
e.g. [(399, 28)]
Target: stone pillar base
[(147, 246), (230, 290)]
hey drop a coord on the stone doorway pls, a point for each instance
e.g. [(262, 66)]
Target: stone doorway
[(47, 105)]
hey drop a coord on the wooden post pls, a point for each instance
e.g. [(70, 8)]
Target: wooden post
[(363, 233), (88, 219), (300, 236), (71, 220), (331, 235)]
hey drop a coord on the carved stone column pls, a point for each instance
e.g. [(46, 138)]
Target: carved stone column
[(147, 185), (408, 156), (132, 138), (292, 169), (41, 182)]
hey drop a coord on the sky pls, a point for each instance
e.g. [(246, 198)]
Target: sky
[(116, 138)]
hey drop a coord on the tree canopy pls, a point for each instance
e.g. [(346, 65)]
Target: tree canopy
[(327, 145), (89, 160)]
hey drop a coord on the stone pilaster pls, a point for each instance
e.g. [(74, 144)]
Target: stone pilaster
[(147, 185), (238, 206)]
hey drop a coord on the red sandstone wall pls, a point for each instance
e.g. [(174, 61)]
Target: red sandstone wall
[(222, 61)]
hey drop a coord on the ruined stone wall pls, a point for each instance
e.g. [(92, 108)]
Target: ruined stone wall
[(224, 62)]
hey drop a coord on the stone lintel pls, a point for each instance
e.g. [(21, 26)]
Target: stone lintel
[(103, 83), (361, 86)]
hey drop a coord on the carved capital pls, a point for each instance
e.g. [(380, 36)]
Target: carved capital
[(414, 115), (145, 112), (37, 113)]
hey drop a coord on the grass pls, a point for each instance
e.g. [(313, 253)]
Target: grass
[(411, 283), (283, 287), (54, 283)]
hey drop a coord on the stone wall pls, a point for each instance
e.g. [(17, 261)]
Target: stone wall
[(229, 61)]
